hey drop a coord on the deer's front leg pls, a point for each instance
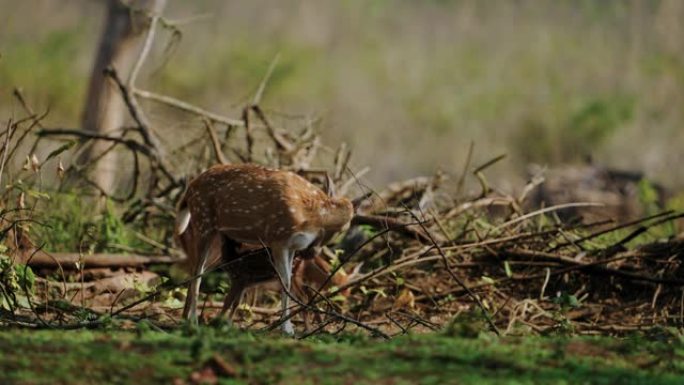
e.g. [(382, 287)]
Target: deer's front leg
[(283, 258)]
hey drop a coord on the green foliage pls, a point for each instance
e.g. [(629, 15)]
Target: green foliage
[(66, 217), (651, 201), (471, 324), (85, 315), (597, 119), (578, 135), (112, 229), (676, 203), (566, 301), (368, 231), (648, 197), (70, 223), (16, 281)]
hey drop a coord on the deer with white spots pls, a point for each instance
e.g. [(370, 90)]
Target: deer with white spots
[(251, 204)]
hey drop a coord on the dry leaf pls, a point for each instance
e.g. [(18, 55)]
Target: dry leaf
[(204, 376), (406, 299), (21, 200), (60, 169), (35, 163)]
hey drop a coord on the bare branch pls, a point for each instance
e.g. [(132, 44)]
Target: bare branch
[(262, 86), (220, 157), (184, 106)]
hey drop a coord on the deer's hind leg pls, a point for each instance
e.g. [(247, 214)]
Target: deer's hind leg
[(203, 249)]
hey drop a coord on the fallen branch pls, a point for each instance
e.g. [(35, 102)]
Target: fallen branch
[(69, 261), (383, 222), (596, 267)]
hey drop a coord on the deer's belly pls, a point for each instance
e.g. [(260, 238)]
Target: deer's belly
[(301, 240)]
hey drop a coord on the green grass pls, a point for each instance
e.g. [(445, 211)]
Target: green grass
[(87, 357)]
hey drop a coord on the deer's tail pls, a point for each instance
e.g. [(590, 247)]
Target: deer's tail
[(182, 216)]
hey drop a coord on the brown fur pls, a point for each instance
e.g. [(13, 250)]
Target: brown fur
[(253, 204)]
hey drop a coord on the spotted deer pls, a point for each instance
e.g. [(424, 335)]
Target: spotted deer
[(251, 204)]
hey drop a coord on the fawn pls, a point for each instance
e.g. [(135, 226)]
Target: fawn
[(254, 267), (250, 265), (255, 205)]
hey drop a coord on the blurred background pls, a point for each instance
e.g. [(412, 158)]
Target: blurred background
[(408, 84)]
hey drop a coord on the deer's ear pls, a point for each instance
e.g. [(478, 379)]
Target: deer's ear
[(329, 186)]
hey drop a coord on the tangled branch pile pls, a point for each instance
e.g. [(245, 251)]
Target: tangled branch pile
[(429, 255)]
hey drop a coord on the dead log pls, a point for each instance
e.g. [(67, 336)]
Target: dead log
[(69, 261)]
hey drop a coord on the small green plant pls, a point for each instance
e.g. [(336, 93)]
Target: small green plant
[(368, 231), (565, 302), (16, 282), (648, 197), (471, 324)]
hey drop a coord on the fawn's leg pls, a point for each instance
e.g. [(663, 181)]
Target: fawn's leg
[(229, 257), (232, 300)]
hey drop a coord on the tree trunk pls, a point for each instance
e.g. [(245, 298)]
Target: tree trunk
[(105, 111)]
